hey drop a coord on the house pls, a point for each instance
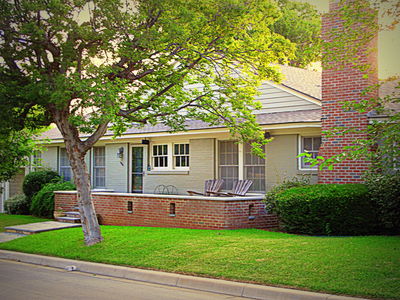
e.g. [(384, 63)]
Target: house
[(144, 158), (295, 113)]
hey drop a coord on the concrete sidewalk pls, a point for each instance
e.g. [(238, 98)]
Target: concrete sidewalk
[(171, 279), (38, 227)]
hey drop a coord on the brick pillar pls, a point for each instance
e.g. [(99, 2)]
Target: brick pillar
[(341, 81)]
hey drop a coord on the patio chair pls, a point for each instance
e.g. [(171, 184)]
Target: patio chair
[(240, 188), (211, 186)]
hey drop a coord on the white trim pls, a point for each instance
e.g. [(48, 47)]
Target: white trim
[(198, 131), (295, 93)]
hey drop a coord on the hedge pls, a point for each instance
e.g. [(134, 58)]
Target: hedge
[(327, 209), (43, 201), (34, 181)]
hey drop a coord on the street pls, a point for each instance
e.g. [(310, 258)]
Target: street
[(26, 281)]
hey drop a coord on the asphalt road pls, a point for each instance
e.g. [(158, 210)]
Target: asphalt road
[(26, 281)]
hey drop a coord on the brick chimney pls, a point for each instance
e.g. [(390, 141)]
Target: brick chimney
[(342, 82)]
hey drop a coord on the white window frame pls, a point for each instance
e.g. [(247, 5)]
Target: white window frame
[(168, 167), (94, 167), (170, 157), (174, 156), (301, 150), (65, 167)]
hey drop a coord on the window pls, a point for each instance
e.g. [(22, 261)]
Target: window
[(167, 157), (181, 155), (254, 169), (309, 145), (36, 160), (237, 162), (65, 168), (228, 163), (160, 156), (99, 167)]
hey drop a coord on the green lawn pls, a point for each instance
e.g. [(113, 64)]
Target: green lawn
[(359, 266), (10, 220)]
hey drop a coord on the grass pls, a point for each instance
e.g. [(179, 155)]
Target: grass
[(10, 220), (359, 266)]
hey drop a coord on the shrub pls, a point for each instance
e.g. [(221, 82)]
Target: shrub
[(327, 209), (17, 205), (43, 201), (385, 195), (34, 181), (270, 196)]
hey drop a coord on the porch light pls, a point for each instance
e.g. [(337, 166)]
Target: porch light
[(120, 153), (267, 135)]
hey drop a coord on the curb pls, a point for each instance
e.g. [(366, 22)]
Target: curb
[(171, 279)]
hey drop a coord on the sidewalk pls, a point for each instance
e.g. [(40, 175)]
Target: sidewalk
[(171, 279)]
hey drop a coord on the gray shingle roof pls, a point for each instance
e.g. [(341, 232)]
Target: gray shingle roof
[(304, 81), (301, 116)]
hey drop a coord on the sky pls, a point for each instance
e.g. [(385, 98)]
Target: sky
[(388, 45)]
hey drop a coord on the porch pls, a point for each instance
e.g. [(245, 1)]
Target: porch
[(180, 211)]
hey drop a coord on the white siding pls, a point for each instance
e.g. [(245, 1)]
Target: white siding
[(116, 173), (274, 99)]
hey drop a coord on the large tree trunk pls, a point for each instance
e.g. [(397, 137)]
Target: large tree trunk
[(76, 150), (90, 224)]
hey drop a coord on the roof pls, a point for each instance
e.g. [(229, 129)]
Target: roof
[(301, 116), (304, 81)]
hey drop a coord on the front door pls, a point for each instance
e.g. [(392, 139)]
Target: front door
[(139, 154)]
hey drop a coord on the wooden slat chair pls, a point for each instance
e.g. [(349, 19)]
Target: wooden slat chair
[(240, 188), (211, 187)]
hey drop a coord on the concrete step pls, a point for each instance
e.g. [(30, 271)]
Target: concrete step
[(69, 219), (73, 214)]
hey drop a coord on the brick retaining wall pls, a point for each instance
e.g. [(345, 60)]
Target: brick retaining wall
[(190, 211)]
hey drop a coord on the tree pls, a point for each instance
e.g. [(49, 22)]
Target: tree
[(93, 66), (301, 24), (15, 149)]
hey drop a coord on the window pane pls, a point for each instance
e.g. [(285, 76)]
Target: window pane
[(254, 169), (317, 143), (99, 167), (307, 144), (228, 163)]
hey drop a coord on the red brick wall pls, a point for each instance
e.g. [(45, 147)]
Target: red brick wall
[(342, 82), (189, 213)]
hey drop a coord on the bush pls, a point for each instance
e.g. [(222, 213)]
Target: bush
[(327, 209), (270, 197), (34, 181), (385, 194), (43, 201), (17, 205)]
